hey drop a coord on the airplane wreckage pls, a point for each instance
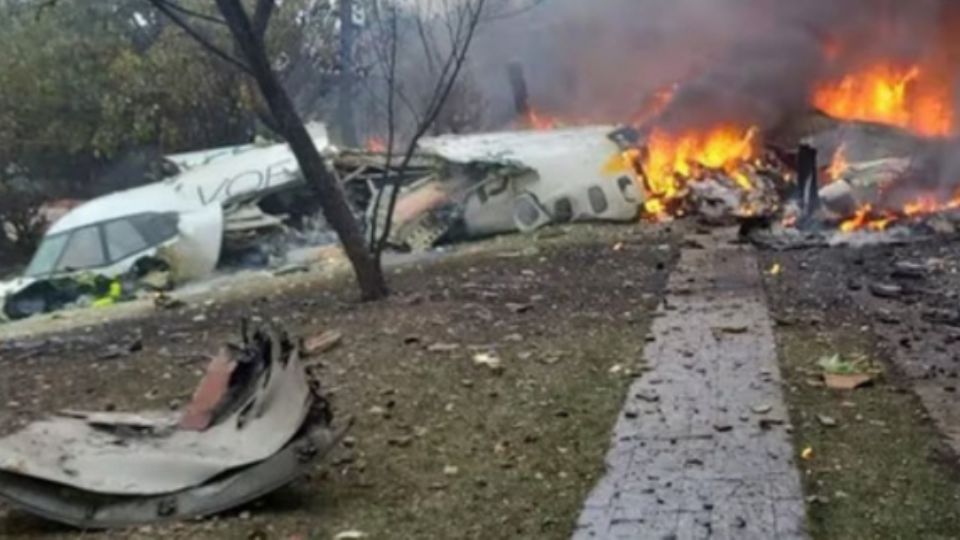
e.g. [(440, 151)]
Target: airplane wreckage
[(233, 200), (257, 421)]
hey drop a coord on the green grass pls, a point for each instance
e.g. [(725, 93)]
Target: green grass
[(883, 471)]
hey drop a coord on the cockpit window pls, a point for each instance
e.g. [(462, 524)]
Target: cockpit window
[(156, 228), (123, 239), (47, 255), (84, 248)]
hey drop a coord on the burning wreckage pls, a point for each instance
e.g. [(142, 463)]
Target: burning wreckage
[(256, 422)]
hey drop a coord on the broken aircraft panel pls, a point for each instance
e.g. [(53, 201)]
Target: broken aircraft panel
[(263, 422), (247, 175), (183, 219), (515, 181)]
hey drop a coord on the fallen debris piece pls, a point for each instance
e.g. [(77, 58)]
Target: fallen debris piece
[(886, 290), (322, 343), (255, 422), (846, 382), (489, 360), (910, 270), (351, 535), (761, 409), (164, 301), (442, 347), (210, 393), (766, 424), (807, 454), (841, 374), (826, 421), (733, 330), (519, 308)]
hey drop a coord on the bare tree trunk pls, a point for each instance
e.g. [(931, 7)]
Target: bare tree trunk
[(332, 200)]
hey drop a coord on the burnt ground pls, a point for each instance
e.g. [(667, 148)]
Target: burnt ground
[(883, 462), (441, 448)]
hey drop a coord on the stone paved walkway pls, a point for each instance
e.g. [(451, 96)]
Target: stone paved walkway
[(701, 449)]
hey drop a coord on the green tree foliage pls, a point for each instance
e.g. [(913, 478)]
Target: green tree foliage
[(82, 83)]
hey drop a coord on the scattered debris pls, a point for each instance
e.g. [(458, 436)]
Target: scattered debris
[(255, 423)]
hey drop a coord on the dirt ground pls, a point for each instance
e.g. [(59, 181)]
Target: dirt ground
[(881, 464), (442, 448)]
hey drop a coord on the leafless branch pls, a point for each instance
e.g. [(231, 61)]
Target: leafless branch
[(375, 242), (429, 46), (514, 12), (164, 7), (468, 18)]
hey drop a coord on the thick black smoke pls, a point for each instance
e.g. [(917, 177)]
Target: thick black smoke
[(753, 60)]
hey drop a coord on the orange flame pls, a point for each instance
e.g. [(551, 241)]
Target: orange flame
[(541, 122), (866, 218), (904, 97), (838, 165), (671, 161), (926, 204), (376, 144)]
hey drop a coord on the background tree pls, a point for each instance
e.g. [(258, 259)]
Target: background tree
[(85, 85), (81, 83), (249, 54)]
